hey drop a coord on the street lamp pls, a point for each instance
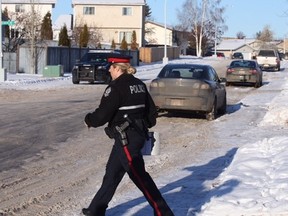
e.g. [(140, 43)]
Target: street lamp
[(215, 41), (284, 47), (165, 59)]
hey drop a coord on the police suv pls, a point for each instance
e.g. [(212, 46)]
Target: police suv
[(94, 66)]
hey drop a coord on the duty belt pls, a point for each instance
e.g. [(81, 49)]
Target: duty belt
[(132, 107)]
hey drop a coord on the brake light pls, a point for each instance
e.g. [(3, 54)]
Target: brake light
[(155, 84), (230, 70), (253, 71), (199, 85), (204, 86)]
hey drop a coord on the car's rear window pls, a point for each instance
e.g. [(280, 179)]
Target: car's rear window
[(269, 53), (243, 64), (237, 54), (197, 72), (94, 57)]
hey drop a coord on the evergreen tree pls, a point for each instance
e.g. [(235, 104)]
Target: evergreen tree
[(113, 45), (84, 37), (63, 37), (147, 11), (124, 45), (46, 27), (134, 44)]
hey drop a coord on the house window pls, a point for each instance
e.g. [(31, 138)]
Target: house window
[(88, 10), (126, 11), (128, 36), (19, 8)]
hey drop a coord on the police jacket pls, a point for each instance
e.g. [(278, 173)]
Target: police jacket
[(124, 95)]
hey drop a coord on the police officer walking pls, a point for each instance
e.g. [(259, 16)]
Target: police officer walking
[(129, 110)]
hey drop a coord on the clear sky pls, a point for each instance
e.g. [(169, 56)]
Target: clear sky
[(248, 16), (62, 7)]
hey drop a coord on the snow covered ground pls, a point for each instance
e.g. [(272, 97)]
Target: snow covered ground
[(254, 183)]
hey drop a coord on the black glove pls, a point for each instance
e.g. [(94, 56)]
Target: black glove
[(87, 121)]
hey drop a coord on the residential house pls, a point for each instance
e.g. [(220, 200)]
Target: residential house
[(24, 6), (282, 46), (16, 8), (246, 46), (113, 18), (155, 36)]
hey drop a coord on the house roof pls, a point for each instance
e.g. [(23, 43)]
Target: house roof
[(28, 1), (109, 2), (64, 19), (234, 44), (159, 24)]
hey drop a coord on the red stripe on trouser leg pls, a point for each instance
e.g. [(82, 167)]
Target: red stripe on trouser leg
[(140, 181)]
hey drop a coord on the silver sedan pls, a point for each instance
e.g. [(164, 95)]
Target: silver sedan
[(189, 87)]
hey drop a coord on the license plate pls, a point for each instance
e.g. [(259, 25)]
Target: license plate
[(266, 65), (242, 72), (176, 102)]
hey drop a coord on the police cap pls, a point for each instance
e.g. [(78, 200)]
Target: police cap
[(119, 58)]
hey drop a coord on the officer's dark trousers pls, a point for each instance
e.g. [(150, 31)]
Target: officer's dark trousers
[(130, 161)]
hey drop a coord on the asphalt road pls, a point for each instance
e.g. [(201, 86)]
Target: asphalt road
[(33, 121), (49, 160)]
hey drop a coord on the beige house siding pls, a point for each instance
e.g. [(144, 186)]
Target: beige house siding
[(41, 7), (156, 34), (111, 22)]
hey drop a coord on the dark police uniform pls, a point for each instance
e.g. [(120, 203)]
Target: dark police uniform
[(126, 95)]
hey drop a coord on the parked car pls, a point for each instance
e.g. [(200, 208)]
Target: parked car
[(220, 54), (268, 59), (237, 55), (209, 53), (189, 87), (281, 56), (212, 53), (94, 66), (244, 71)]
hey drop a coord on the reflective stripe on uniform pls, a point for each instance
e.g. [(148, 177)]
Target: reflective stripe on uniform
[(132, 107)]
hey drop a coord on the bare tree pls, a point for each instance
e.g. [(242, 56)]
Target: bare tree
[(28, 29), (95, 38), (149, 32), (240, 35), (13, 34), (266, 35), (95, 35), (203, 21)]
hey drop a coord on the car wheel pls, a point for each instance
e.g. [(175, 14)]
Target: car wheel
[(257, 84), (222, 109), (75, 80), (213, 113)]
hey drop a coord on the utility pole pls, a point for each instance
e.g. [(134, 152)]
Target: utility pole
[(165, 59), (215, 41), (33, 57), (2, 70)]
